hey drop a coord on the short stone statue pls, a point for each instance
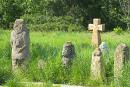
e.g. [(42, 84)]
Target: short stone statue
[(68, 53), (97, 66), (19, 43)]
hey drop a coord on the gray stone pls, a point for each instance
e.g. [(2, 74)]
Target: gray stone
[(121, 56), (104, 47), (68, 53), (19, 43), (97, 67), (41, 64), (105, 52)]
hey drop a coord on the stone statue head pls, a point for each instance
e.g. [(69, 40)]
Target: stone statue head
[(19, 25)]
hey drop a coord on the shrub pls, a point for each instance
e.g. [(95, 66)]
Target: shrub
[(118, 30), (39, 22)]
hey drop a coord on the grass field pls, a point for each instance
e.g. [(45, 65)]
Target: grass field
[(48, 46)]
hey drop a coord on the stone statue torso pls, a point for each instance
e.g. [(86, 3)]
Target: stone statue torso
[(18, 41)]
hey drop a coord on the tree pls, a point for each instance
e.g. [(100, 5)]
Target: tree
[(125, 6), (9, 11)]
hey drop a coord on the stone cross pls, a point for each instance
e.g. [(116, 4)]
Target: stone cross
[(68, 53), (19, 43), (97, 66), (121, 56), (96, 27)]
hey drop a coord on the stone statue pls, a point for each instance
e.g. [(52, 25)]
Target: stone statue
[(19, 43), (97, 66), (121, 57), (68, 53)]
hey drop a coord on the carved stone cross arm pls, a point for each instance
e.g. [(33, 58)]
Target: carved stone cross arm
[(90, 27), (101, 27), (96, 25)]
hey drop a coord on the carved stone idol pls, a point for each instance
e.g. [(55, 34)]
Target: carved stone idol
[(68, 53), (97, 67), (19, 43)]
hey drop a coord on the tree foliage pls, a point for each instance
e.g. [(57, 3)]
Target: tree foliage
[(79, 10), (125, 7)]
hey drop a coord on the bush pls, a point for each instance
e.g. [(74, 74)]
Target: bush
[(39, 22), (118, 30), (109, 11)]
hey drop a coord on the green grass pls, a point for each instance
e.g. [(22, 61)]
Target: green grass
[(48, 46)]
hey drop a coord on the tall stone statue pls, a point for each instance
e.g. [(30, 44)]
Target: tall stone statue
[(19, 43)]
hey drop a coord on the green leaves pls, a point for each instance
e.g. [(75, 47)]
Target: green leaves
[(108, 10)]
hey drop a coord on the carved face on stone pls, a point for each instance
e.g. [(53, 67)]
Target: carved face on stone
[(19, 25)]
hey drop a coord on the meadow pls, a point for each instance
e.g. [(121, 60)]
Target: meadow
[(48, 46)]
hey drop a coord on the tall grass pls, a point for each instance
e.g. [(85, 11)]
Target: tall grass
[(48, 46)]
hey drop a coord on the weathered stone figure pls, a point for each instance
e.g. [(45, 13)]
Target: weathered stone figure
[(96, 27), (97, 67), (121, 57), (68, 53), (19, 43)]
